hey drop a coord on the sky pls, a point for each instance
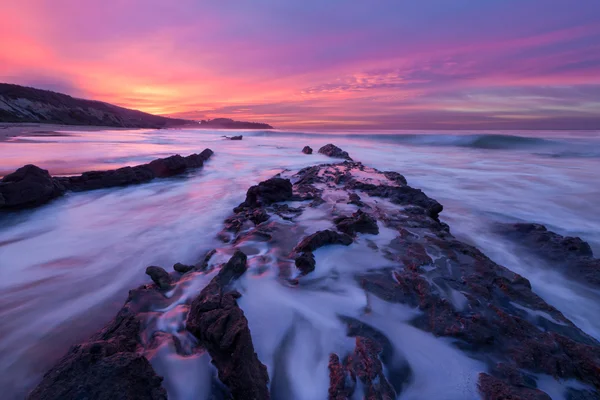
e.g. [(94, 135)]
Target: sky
[(368, 64)]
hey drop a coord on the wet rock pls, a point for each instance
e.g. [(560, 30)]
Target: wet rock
[(395, 177), (106, 367), (493, 388), (305, 262), (239, 137), (353, 198), (259, 216), (160, 277), (322, 238), (362, 364), (267, 192), (359, 222), (29, 186), (333, 151), (307, 150), (182, 268), (93, 180), (220, 326), (203, 265), (570, 255)]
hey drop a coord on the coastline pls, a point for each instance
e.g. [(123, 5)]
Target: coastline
[(15, 129)]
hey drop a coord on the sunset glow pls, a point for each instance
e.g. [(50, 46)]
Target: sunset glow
[(381, 64)]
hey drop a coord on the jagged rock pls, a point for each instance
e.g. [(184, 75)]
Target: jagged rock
[(333, 151), (203, 265), (239, 137), (395, 177), (359, 222), (307, 150), (29, 186), (493, 388), (267, 192), (182, 268), (353, 198), (305, 262), (107, 367), (570, 255), (160, 277), (220, 325), (322, 238), (364, 364)]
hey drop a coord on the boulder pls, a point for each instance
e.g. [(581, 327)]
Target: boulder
[(29, 186), (182, 268), (333, 151), (322, 238), (359, 222), (268, 192), (305, 262), (160, 277), (307, 150)]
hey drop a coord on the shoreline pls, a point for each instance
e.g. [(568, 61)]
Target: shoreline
[(10, 130)]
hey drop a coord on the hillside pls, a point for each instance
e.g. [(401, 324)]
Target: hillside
[(228, 123), (26, 104)]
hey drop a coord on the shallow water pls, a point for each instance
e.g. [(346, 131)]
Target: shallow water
[(65, 268)]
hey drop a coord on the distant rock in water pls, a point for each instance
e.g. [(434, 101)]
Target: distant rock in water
[(333, 151), (239, 137), (31, 186), (228, 123), (26, 104), (569, 255), (307, 150)]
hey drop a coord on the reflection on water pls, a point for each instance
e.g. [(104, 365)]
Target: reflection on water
[(65, 268)]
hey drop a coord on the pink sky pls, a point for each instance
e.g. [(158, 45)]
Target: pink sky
[(378, 64)]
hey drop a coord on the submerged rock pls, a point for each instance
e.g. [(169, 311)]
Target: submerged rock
[(305, 262), (29, 186), (307, 150), (220, 326), (322, 238), (333, 151), (569, 255)]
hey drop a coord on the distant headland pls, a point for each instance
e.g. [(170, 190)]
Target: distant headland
[(22, 104)]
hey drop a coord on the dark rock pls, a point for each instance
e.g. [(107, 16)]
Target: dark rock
[(493, 388), (307, 150), (107, 367), (29, 186), (359, 222), (203, 265), (267, 192), (258, 216), (93, 180), (305, 262), (160, 277), (333, 151), (181, 268), (322, 238), (570, 255), (395, 177), (240, 137), (353, 198), (220, 326), (167, 167), (363, 364)]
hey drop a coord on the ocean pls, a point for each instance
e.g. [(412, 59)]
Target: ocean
[(66, 267)]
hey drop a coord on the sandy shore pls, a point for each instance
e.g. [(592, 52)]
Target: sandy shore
[(8, 130)]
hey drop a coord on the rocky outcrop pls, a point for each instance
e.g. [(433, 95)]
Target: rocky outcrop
[(239, 137), (160, 277), (268, 192), (31, 186), (108, 366), (220, 326), (419, 278), (570, 255), (333, 151), (322, 238), (359, 222), (307, 150)]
